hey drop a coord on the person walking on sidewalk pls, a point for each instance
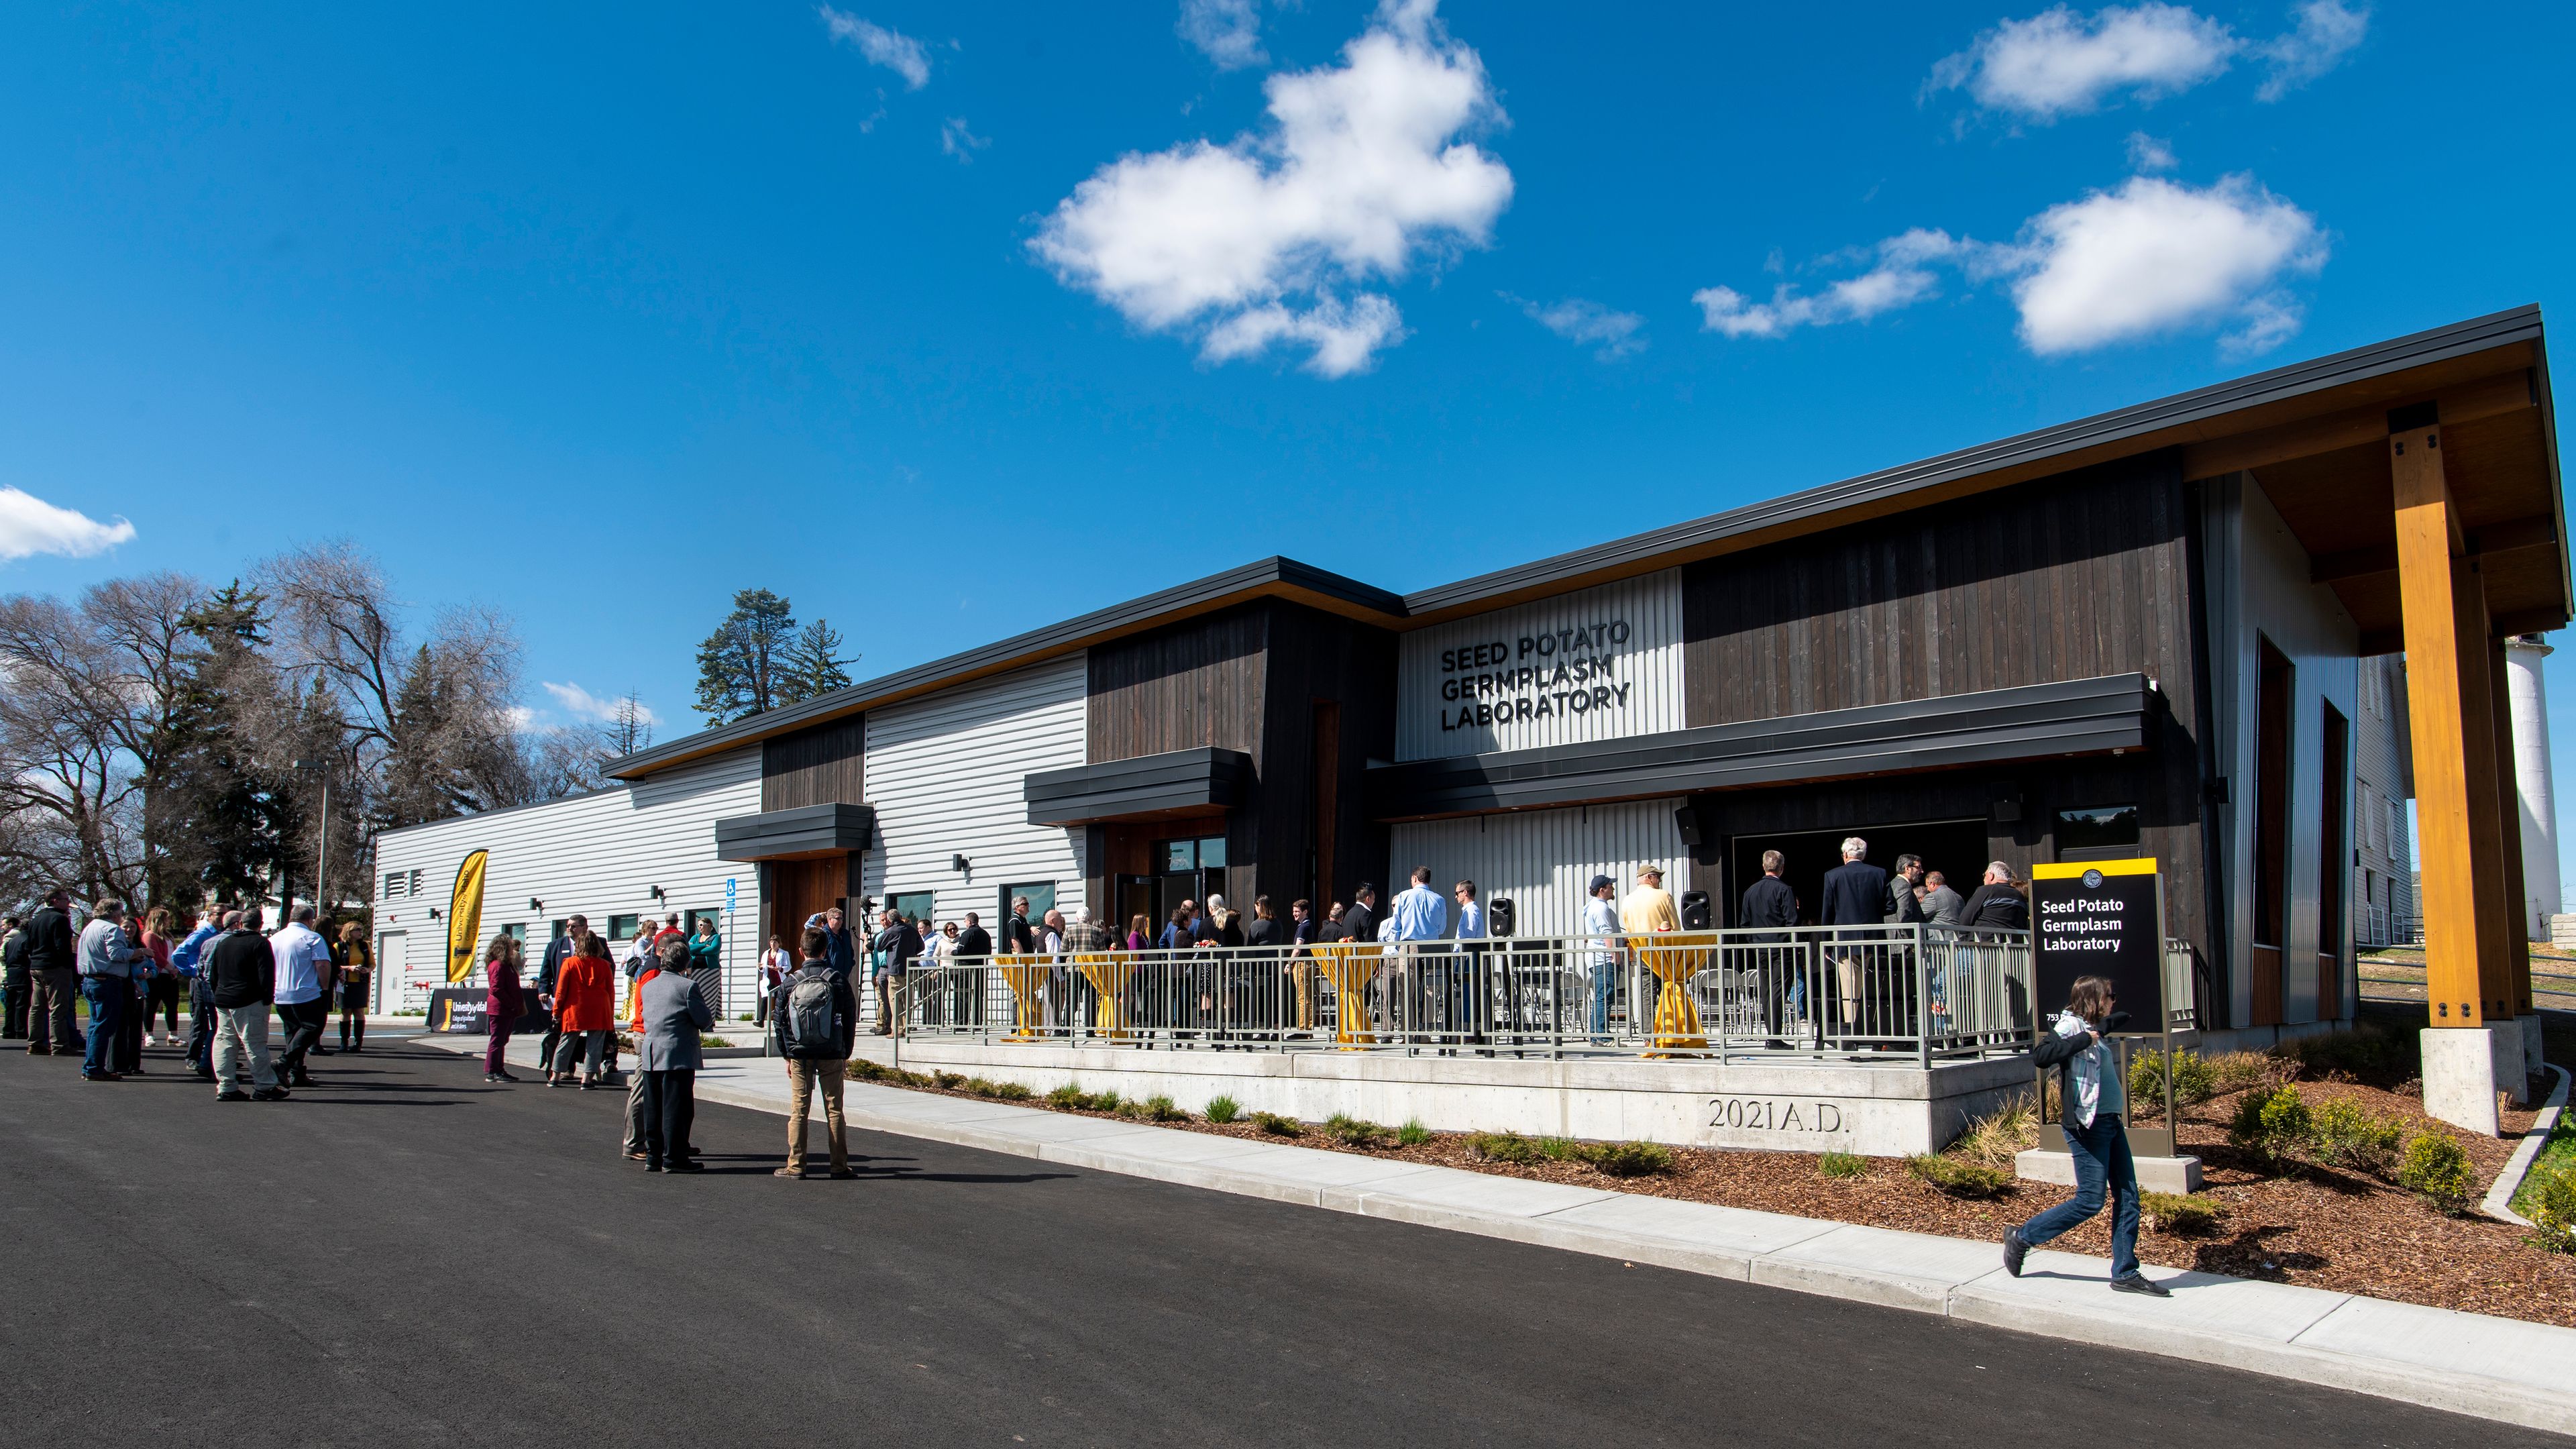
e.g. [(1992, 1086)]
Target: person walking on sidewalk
[(670, 1013), (54, 975), (357, 972), (814, 1018), (585, 1013), (240, 974), (108, 958), (2093, 1096), (502, 1002), (304, 975)]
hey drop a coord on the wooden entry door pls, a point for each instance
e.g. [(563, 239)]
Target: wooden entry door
[(801, 888)]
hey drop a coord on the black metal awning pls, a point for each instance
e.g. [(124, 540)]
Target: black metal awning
[(1994, 726), (1148, 787), (806, 832)]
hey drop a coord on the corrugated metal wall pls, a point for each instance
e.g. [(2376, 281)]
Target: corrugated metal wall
[(944, 775), (1542, 638), (596, 854), (1543, 858)]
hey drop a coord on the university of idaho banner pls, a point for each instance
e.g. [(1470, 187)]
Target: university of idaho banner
[(465, 917)]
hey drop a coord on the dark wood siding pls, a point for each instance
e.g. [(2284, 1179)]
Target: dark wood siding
[(1199, 683), (822, 765), (1318, 657), (2073, 577)]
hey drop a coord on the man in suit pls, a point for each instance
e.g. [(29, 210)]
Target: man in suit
[(670, 1012), (1855, 895), (1770, 903)]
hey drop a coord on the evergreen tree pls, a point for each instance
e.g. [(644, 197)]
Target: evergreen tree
[(742, 665), (814, 663), (226, 833)]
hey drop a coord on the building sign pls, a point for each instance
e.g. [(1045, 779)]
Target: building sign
[(2100, 918), (1573, 670), (1595, 664)]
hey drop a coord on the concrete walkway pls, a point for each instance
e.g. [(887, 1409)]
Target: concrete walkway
[(2495, 1368)]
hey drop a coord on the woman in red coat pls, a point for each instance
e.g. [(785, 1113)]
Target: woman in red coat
[(585, 1011)]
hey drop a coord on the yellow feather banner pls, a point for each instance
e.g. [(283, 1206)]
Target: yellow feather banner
[(465, 917)]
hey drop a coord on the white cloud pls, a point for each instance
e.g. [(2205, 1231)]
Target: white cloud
[(2152, 256), (2155, 256), (1228, 31), (522, 719), (957, 141), (1612, 334), (1273, 238), (2058, 62), (29, 525), (2146, 153), (580, 703), (2327, 32), (895, 51), (1901, 278)]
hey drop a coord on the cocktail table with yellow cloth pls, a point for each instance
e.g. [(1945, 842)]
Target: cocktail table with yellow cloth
[(1350, 966), (1027, 976), (1108, 975), (1674, 957)]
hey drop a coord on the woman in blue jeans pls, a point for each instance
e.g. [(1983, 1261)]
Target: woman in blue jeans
[(2095, 1099)]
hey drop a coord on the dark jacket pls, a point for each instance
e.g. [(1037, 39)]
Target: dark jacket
[(837, 953), (845, 1007), (552, 967), (2060, 1052), (901, 945), (1903, 907), (506, 1000), (1855, 895), (973, 942), (1769, 902), (1996, 906), (1019, 936), (1261, 932), (13, 953), (241, 969), (1359, 923), (50, 943)]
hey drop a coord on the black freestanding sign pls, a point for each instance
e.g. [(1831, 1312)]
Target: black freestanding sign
[(2100, 918)]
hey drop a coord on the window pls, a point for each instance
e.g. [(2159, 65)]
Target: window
[(1041, 897), (1179, 856), (2396, 830), (622, 928), (913, 906), (560, 928), (394, 882), (2096, 826), (689, 920), (516, 931)]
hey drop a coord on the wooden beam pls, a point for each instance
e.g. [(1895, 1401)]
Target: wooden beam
[(2517, 940), (2527, 621), (2494, 539), (2354, 427), (2450, 705)]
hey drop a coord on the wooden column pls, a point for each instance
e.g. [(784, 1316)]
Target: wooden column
[(2450, 697), (2517, 941)]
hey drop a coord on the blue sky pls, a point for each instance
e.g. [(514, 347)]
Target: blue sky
[(599, 316)]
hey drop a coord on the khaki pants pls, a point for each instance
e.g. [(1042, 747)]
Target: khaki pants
[(49, 1015), (242, 1031), (803, 1078), (1301, 985)]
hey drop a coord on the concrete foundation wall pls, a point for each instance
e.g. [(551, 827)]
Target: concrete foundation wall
[(1880, 1111)]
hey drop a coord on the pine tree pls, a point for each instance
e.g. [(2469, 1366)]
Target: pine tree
[(742, 665), (814, 663), (227, 831)]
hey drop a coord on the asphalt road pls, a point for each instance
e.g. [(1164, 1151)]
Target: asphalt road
[(406, 1256)]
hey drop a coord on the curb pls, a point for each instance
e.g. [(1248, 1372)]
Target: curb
[(2359, 1344), (2499, 1199)]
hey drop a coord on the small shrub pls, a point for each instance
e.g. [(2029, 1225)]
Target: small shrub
[(1503, 1147), (1278, 1126), (2350, 1135), (1011, 1092), (1163, 1109), (705, 1040), (1994, 1139), (976, 1086), (1353, 1132), (1629, 1159), (1103, 1102), (1222, 1110), (2438, 1167), (2275, 1123), (2550, 1202), (2193, 1081), (1131, 1109), (948, 1081), (1412, 1133), (1842, 1164), (1956, 1177), (1067, 1097), (868, 1071), (2178, 1215), (2235, 1071), (1560, 1149)]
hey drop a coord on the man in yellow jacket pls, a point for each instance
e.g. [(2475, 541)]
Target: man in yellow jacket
[(1649, 907)]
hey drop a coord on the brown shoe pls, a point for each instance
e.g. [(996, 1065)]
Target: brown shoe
[(787, 1172), (637, 1157)]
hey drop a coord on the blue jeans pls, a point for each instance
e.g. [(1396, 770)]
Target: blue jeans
[(2101, 1154), (1605, 980), (108, 997)]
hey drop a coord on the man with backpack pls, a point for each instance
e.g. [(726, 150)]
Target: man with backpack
[(814, 1016)]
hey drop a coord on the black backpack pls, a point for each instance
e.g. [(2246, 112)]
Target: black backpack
[(809, 1024)]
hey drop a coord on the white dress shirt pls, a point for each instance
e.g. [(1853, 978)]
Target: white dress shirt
[(303, 963)]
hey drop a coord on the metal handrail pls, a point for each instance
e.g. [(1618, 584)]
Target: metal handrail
[(1918, 992)]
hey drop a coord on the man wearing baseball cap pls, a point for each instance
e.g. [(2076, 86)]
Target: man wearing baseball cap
[(1649, 907), (1601, 919)]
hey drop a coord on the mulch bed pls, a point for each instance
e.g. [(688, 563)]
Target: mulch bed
[(2315, 1226)]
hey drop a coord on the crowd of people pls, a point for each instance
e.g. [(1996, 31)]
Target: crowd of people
[(234, 973)]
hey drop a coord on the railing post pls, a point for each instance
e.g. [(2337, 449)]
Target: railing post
[(1923, 995)]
